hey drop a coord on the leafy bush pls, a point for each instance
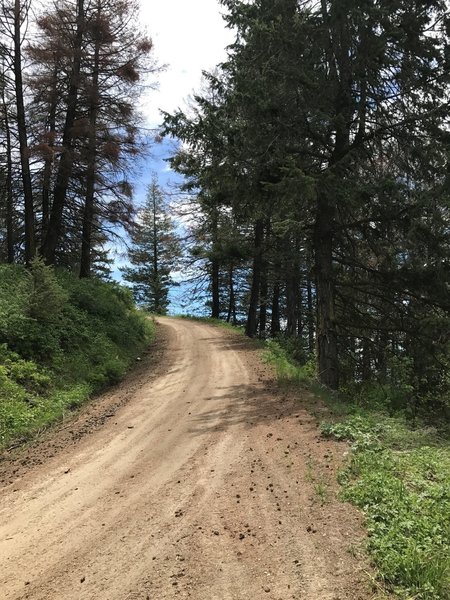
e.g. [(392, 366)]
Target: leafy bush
[(47, 298), (61, 339), (403, 487), (398, 474), (287, 369)]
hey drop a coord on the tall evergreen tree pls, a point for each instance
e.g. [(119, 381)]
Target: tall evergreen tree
[(328, 132), (154, 253)]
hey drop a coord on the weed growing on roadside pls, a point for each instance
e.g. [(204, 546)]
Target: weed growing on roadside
[(321, 491), (309, 476), (399, 476), (404, 491)]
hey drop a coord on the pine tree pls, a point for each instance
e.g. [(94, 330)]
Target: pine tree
[(325, 136), (154, 252)]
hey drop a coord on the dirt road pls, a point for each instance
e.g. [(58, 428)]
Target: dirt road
[(207, 483)]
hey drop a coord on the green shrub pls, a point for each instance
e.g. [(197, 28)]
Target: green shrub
[(287, 369), (61, 339), (398, 473), (294, 346), (47, 298), (400, 478), (24, 372)]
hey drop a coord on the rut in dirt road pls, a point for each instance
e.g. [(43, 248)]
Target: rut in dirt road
[(204, 485)]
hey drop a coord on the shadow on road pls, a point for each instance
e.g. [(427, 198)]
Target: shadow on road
[(251, 405), (235, 344)]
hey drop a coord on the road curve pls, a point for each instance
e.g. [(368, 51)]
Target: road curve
[(201, 486)]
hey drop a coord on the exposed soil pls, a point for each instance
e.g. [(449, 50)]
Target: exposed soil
[(195, 478)]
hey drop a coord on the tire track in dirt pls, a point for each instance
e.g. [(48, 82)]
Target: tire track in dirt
[(201, 486)]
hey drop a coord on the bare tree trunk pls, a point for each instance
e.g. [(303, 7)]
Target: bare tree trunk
[(327, 348), (66, 160), (275, 318), (300, 320), (157, 288), (88, 216), (341, 81), (311, 331), (231, 316), (263, 300), (9, 199), (30, 248), (48, 167), (215, 283), (215, 269), (9, 204), (291, 304), (252, 320), (366, 371)]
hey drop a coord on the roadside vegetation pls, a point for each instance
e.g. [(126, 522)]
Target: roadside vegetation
[(398, 474), (62, 339)]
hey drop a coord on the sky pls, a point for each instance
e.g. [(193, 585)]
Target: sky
[(189, 37)]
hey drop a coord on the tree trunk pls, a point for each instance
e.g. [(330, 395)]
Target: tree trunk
[(88, 216), (9, 217), (66, 160), (157, 292), (381, 355), (252, 320), (275, 318), (263, 300), (291, 304), (366, 371), (340, 78), (311, 331), (30, 248), (48, 167), (215, 268), (215, 283), (327, 348), (231, 316), (300, 320)]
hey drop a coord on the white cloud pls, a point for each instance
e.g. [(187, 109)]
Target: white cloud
[(189, 36)]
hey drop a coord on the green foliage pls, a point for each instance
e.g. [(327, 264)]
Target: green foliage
[(153, 255), (287, 369), (47, 298), (322, 141), (400, 478), (294, 347), (61, 339), (398, 474)]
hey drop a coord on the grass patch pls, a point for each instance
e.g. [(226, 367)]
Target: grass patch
[(404, 491), (321, 491), (61, 340), (398, 474), (287, 370)]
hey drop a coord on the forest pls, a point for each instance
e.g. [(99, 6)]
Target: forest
[(71, 75), (316, 161), (316, 175), (313, 215), (70, 82)]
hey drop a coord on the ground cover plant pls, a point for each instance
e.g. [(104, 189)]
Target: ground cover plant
[(62, 339), (398, 474)]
